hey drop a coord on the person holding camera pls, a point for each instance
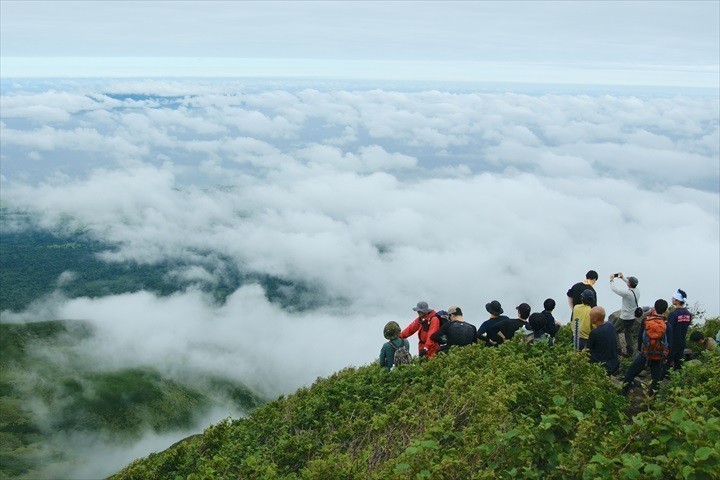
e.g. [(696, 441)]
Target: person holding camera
[(629, 310)]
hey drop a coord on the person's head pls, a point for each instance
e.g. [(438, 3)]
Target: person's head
[(422, 308), (391, 330), (632, 282), (679, 298), (591, 277), (597, 315), (536, 321), (588, 297), (661, 306), (697, 336), (523, 311), (494, 308), (549, 305), (455, 313)]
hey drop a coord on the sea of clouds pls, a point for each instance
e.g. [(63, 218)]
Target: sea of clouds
[(377, 197), (374, 196)]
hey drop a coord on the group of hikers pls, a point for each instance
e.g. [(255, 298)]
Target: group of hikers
[(659, 332)]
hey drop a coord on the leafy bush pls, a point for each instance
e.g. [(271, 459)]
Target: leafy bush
[(509, 412)]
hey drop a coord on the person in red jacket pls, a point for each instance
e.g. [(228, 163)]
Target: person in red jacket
[(425, 324)]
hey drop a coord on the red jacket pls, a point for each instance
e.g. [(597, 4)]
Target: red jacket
[(425, 325)]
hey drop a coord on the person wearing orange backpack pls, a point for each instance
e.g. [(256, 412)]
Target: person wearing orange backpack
[(426, 324), (655, 338)]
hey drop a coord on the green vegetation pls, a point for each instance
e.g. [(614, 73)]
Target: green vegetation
[(47, 389), (32, 260), (511, 412)]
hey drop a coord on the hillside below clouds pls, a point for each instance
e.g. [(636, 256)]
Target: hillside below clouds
[(476, 413)]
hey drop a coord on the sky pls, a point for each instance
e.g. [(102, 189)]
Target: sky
[(638, 43), (380, 153)]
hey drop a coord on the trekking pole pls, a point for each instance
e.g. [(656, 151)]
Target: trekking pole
[(576, 334)]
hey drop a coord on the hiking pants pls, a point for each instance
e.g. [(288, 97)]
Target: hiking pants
[(656, 372), (627, 331)]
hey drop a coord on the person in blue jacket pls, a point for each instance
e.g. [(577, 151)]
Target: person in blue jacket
[(680, 320)]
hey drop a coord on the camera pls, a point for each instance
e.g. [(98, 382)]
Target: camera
[(617, 275)]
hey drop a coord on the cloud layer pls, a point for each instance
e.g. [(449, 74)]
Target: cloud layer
[(377, 197)]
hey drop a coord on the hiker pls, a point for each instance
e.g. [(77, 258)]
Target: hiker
[(581, 319), (680, 320), (629, 309), (388, 357), (551, 326), (425, 324), (576, 290), (505, 329), (655, 336), (602, 342), (457, 331), (705, 343), (496, 315), (537, 324)]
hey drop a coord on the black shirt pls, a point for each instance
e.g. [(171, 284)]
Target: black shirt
[(576, 290), (602, 344), (507, 327)]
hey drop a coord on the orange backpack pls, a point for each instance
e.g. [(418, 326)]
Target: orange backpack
[(654, 344)]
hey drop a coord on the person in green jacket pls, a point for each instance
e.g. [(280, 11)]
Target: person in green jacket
[(387, 353)]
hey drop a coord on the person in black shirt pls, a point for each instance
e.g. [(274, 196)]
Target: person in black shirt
[(602, 342), (505, 329), (457, 331), (576, 290), (496, 316)]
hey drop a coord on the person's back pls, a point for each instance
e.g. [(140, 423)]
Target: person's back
[(602, 342), (389, 348), (680, 320), (576, 290), (504, 330), (496, 316), (457, 331), (655, 334), (581, 319)]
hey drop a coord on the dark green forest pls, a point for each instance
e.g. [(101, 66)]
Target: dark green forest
[(32, 260)]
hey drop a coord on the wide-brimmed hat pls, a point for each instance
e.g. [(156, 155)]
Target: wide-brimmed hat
[(494, 308), (391, 330), (422, 307)]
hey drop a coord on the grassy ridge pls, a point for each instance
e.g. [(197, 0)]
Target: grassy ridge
[(511, 412)]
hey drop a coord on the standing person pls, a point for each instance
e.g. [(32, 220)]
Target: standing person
[(655, 335), (387, 352), (505, 329), (496, 316), (457, 331), (581, 319), (576, 290), (425, 324), (602, 342), (679, 320), (551, 325), (628, 310)]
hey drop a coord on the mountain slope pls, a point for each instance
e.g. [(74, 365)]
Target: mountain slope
[(510, 412)]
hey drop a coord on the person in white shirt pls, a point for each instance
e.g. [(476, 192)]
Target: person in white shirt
[(627, 330)]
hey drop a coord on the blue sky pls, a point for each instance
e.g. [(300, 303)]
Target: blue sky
[(618, 43)]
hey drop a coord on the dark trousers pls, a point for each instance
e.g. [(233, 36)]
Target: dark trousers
[(628, 329), (656, 372)]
